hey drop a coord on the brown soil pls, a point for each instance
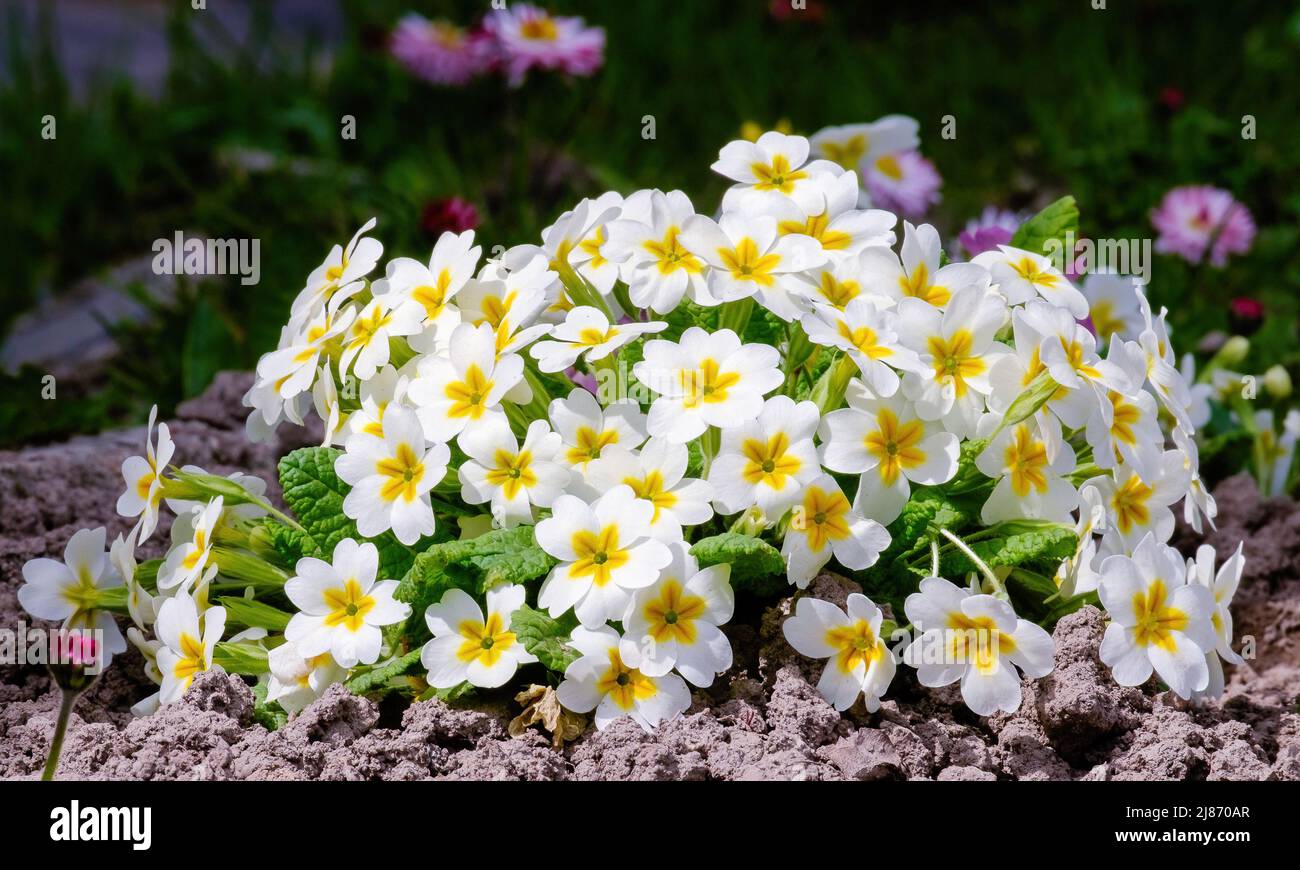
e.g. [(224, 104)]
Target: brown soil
[(763, 720)]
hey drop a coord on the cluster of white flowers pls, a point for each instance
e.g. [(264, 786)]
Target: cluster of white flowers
[(882, 375)]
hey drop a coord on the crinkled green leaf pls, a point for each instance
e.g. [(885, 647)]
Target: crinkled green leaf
[(274, 540), (929, 509), (500, 556), (315, 494), (545, 637), (755, 564), (1053, 222), (475, 565), (377, 677), (1033, 549), (254, 614), (242, 657)]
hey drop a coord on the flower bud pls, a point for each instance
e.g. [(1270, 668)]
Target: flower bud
[(1277, 382), (1234, 350)]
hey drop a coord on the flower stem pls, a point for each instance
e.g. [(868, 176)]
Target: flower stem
[(979, 563), (60, 729)]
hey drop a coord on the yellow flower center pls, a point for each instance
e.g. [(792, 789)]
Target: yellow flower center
[(1156, 619), (707, 384), (769, 463), (484, 642), (846, 153), (854, 645), (1026, 459), (778, 176), (817, 227), (670, 255), (469, 397), (953, 359), (433, 298), (348, 605), (402, 473), (825, 517), (589, 444), (598, 554), (672, 615), (1130, 504), (895, 444), (745, 264), (624, 685), (917, 286), (512, 472), (651, 488)]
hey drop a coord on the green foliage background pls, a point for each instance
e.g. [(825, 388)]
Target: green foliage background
[(1049, 97)]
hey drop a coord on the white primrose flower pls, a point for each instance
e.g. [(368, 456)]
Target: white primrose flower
[(509, 477), (293, 368), (1136, 505), (853, 146), (140, 605), (339, 276), (860, 663), (391, 478), (958, 350), (586, 429), (387, 387), (915, 273), (188, 639), (467, 647), (586, 330), (1158, 620), (434, 287), (329, 408), (836, 283), (1113, 305), (365, 347), (143, 476), (869, 334), (657, 475), (592, 256), (573, 241), (1161, 364), (674, 623), (1022, 275), (835, 223), (655, 264), (884, 440), (67, 591), (1276, 451), (769, 170), (749, 258), (1078, 574), (706, 379), (507, 300), (977, 639), (601, 681), (193, 531), (1222, 586), (767, 461), (465, 388), (824, 524), (605, 551), (342, 608), (1199, 503), (1031, 463), (296, 681), (269, 408)]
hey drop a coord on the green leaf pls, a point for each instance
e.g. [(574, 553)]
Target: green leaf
[(315, 494), (929, 509), (270, 716), (545, 637), (243, 657), (273, 540), (254, 614), (1044, 233), (755, 564), (475, 565), (377, 677), (1033, 549), (501, 556)]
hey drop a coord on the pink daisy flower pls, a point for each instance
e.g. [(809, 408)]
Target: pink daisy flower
[(528, 37), (439, 52), (993, 227), (903, 182), (1198, 217)]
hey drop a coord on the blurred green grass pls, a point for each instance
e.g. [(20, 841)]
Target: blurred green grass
[(1049, 97)]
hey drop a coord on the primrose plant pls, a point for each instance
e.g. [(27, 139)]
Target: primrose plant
[(561, 468)]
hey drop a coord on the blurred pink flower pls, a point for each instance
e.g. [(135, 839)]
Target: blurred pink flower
[(993, 227), (451, 215), (903, 182), (527, 37), (1195, 218), (438, 51)]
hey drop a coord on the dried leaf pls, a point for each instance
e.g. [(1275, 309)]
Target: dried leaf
[(542, 706)]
